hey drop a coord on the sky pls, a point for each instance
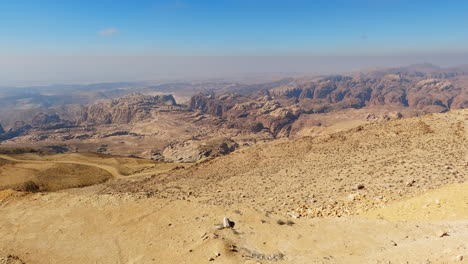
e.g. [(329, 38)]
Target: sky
[(60, 40)]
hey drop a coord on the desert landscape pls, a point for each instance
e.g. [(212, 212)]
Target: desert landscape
[(386, 192), (214, 118), (233, 132)]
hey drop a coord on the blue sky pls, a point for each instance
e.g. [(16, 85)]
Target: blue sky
[(84, 41), (236, 27)]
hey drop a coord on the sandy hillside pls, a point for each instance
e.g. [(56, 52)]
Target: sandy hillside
[(399, 188), (52, 172), (356, 169)]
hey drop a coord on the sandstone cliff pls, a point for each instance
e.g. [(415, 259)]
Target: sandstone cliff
[(340, 92), (130, 108)]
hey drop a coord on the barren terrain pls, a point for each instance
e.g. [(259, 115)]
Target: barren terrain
[(382, 192), (53, 172)]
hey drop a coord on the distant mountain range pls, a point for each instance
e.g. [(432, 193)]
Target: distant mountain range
[(200, 111)]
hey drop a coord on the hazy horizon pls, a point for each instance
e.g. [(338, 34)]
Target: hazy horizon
[(88, 41), (30, 71)]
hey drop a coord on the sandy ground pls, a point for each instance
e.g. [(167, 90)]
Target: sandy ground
[(68, 228), (411, 207), (448, 203)]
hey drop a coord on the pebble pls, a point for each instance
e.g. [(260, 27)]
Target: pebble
[(459, 257), (394, 243), (410, 183), (442, 234), (359, 186), (352, 197)]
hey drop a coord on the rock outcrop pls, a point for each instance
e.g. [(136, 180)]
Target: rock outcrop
[(420, 88), (45, 119), (128, 109), (216, 105), (250, 114), (399, 87), (18, 129), (191, 151)]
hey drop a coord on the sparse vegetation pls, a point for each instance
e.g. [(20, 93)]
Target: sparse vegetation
[(29, 186)]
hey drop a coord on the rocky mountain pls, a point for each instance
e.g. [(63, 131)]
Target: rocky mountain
[(127, 109), (1, 129), (44, 119), (415, 89), (155, 126), (424, 91), (17, 130), (248, 113)]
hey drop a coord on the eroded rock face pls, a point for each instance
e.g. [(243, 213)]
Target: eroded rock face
[(216, 105), (44, 119), (248, 114), (276, 120), (251, 114), (400, 89), (18, 129), (424, 88), (128, 109)]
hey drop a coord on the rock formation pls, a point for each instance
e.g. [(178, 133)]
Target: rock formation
[(245, 113), (190, 151), (333, 93), (18, 129), (45, 119), (130, 108)]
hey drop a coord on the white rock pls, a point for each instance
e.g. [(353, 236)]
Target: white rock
[(226, 223)]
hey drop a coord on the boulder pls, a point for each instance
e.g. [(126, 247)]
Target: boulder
[(394, 115), (228, 223)]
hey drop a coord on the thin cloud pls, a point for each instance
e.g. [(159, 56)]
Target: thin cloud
[(179, 4), (107, 32)]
